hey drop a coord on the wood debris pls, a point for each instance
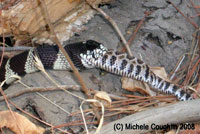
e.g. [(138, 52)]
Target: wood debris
[(25, 19)]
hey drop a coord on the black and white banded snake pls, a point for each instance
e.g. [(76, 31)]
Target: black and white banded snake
[(86, 55)]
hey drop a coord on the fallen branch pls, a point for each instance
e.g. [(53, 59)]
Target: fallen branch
[(180, 112), (40, 89)]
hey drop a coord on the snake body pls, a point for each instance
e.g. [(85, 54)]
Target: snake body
[(86, 55)]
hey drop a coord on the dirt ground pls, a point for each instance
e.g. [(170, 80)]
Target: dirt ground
[(151, 44)]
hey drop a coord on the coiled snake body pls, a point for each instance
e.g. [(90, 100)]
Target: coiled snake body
[(86, 55)]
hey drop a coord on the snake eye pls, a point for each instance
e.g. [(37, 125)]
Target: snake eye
[(91, 45)]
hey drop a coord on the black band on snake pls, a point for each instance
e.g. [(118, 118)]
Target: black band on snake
[(86, 55)]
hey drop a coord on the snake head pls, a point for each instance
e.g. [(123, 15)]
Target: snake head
[(93, 51), (82, 53)]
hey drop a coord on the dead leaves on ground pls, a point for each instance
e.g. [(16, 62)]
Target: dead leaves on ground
[(160, 71), (18, 123), (141, 87), (134, 85), (104, 98)]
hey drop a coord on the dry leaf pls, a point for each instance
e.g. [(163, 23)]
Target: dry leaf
[(138, 86), (133, 85), (21, 125), (160, 71), (104, 98)]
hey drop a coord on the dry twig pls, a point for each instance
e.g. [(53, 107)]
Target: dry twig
[(34, 117), (8, 105), (39, 89), (18, 48), (1, 60), (192, 3), (115, 27), (76, 73), (188, 19), (54, 37), (137, 29)]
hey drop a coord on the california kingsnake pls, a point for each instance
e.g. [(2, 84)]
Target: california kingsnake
[(85, 55)]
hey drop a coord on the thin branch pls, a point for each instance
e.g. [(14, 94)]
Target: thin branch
[(198, 41), (47, 99), (2, 24), (177, 67), (11, 112), (194, 7), (39, 89), (194, 16), (114, 25), (18, 48), (54, 37), (34, 117), (191, 72), (137, 29), (40, 66), (188, 19)]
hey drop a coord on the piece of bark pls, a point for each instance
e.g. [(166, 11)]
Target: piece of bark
[(26, 20), (181, 112)]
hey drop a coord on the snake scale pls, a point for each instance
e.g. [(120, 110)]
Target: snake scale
[(86, 55)]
